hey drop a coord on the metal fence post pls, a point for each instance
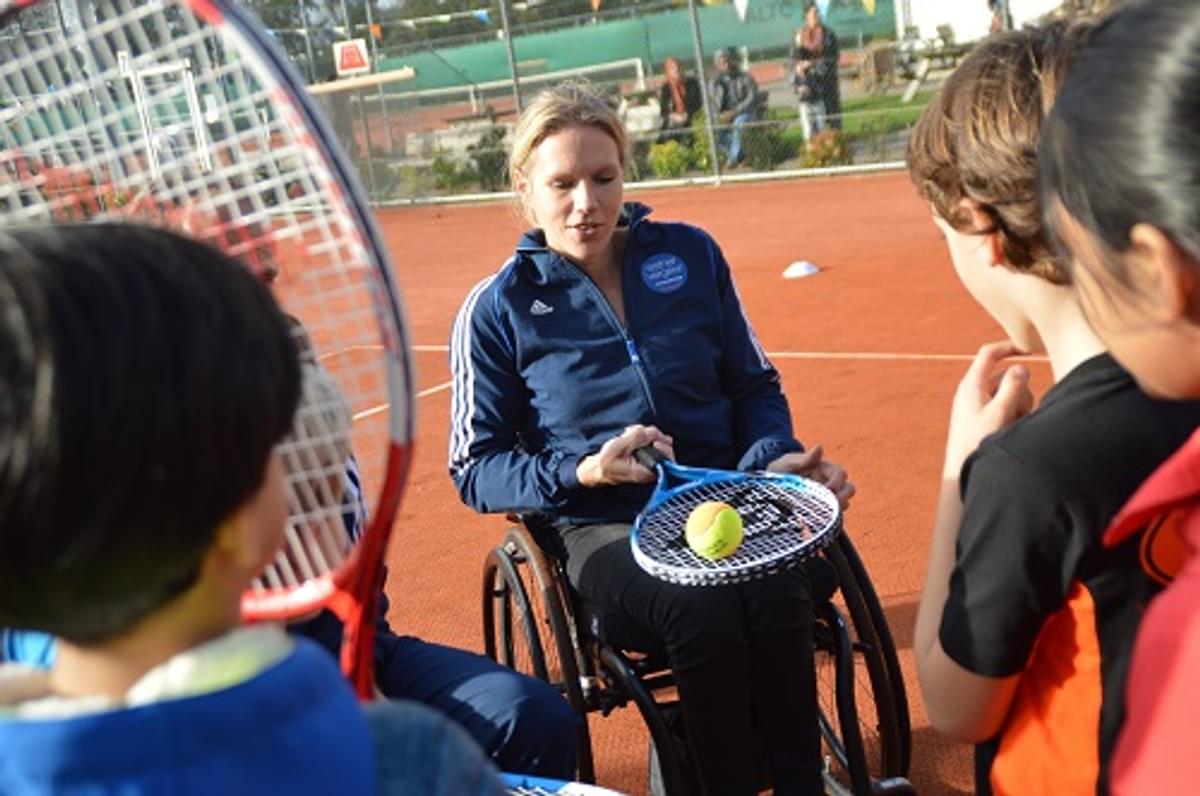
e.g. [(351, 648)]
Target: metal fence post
[(512, 56), (308, 48), (709, 119), (387, 125)]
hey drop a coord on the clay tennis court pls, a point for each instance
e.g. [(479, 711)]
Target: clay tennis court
[(870, 350)]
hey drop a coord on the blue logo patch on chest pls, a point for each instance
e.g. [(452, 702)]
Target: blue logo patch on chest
[(664, 273)]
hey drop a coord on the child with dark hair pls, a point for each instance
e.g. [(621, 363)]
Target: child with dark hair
[(145, 380), (521, 723), (1026, 620), (1122, 191)]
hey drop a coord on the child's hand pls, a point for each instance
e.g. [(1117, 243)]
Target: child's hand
[(986, 401)]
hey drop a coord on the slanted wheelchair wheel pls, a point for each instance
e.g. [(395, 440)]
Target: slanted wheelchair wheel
[(879, 746), (525, 626), (510, 630)]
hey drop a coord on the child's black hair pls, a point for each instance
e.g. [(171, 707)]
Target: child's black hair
[(1122, 144), (146, 379)]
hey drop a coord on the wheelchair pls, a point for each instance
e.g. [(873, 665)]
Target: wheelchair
[(533, 622)]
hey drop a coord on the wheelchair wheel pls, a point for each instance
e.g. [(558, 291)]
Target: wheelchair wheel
[(868, 691), (510, 630), (526, 627), (866, 609), (669, 771), (847, 772)]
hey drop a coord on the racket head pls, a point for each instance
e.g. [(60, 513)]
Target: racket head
[(786, 518), (187, 115), (527, 785)]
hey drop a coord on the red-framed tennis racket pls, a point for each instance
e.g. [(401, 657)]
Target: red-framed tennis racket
[(786, 519), (187, 115)]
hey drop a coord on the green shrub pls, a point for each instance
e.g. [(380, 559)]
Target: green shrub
[(414, 181), (701, 151), (792, 138), (490, 159), (669, 160), (450, 174), (828, 148), (764, 146)]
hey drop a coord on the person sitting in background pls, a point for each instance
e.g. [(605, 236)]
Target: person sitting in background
[(136, 505), (736, 100), (679, 99), (815, 51)]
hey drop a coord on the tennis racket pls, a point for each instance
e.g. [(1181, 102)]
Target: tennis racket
[(187, 115), (524, 785), (786, 518)]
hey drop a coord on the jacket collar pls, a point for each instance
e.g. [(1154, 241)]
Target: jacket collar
[(550, 267)]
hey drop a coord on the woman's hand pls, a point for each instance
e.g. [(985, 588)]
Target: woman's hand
[(986, 401), (614, 462), (812, 464)]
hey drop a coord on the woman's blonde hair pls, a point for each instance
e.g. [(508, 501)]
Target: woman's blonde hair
[(565, 105)]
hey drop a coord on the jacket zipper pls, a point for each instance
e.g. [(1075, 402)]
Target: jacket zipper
[(635, 359)]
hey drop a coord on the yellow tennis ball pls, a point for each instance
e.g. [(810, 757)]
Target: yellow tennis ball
[(714, 530)]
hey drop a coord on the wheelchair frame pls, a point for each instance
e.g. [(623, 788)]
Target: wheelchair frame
[(864, 718)]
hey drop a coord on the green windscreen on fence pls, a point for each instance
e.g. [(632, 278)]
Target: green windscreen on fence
[(768, 26)]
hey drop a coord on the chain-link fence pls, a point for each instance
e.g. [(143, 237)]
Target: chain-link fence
[(707, 91)]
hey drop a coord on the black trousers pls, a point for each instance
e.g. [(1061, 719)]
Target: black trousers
[(742, 656)]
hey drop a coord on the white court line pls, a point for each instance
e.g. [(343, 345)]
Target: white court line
[(870, 356), (861, 356), (431, 390), (374, 410), (882, 356)]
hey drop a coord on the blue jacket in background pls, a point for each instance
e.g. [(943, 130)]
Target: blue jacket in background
[(544, 373), (294, 728)]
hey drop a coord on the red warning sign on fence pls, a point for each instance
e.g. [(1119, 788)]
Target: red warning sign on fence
[(351, 57)]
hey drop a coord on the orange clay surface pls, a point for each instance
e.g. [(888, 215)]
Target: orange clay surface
[(870, 350)]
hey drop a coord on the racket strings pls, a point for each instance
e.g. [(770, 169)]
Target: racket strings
[(146, 112), (322, 519), (780, 520)]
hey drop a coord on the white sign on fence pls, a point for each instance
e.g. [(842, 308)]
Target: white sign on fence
[(350, 57)]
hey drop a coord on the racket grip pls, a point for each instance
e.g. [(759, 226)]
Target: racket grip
[(649, 456)]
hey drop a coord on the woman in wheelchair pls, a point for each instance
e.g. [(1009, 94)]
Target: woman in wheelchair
[(606, 331)]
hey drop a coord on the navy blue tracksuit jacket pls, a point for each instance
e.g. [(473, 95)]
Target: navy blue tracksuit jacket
[(544, 373)]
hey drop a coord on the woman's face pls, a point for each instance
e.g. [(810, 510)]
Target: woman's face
[(812, 17), (573, 187), (671, 69)]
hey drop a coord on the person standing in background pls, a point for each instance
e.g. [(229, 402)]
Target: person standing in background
[(815, 51)]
